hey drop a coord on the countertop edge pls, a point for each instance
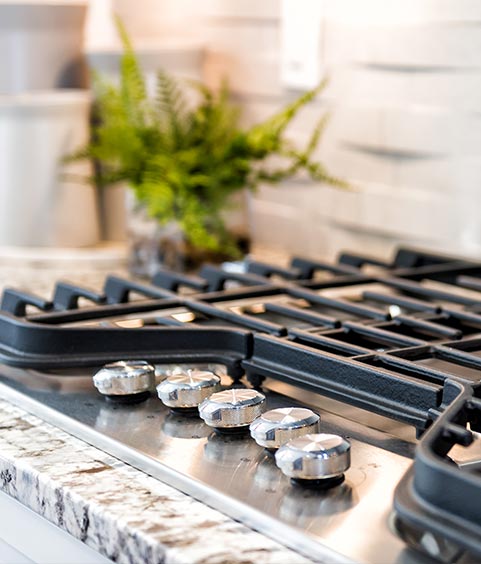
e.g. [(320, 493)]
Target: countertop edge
[(83, 491)]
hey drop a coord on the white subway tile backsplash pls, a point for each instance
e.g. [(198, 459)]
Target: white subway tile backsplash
[(405, 97), (247, 76), (423, 46), (403, 12), (247, 40), (358, 85), (422, 130), (246, 10)]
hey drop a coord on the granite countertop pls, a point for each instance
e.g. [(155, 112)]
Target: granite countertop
[(123, 513), (119, 511)]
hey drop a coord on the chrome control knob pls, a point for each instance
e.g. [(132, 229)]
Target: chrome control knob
[(278, 426), (163, 371), (318, 460), (232, 410), (126, 380), (185, 390)]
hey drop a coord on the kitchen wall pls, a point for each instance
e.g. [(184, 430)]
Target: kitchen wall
[(405, 97)]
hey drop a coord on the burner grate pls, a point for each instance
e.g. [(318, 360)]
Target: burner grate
[(338, 337)]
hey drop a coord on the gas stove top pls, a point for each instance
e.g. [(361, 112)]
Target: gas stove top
[(387, 353)]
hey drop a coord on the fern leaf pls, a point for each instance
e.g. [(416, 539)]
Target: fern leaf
[(317, 134), (132, 83), (173, 107)]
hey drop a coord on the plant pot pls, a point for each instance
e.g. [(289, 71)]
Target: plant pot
[(43, 202), (113, 212), (153, 246), (44, 43)]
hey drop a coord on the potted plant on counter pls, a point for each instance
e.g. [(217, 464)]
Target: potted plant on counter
[(184, 155)]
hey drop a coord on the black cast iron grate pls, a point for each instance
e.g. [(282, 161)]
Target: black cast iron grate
[(401, 339)]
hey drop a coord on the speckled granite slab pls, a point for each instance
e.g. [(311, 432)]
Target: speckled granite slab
[(115, 509)]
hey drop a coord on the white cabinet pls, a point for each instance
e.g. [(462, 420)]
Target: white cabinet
[(26, 537)]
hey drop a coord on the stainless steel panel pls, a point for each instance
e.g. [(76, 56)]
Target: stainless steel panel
[(235, 475)]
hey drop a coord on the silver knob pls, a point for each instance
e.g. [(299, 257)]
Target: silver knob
[(232, 410), (278, 426), (315, 459), (163, 371), (125, 380), (187, 389)]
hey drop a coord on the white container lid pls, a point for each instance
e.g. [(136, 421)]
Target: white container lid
[(45, 99), (43, 3)]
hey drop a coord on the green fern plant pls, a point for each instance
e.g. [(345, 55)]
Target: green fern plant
[(184, 160)]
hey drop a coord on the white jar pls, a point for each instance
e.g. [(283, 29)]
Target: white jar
[(41, 45), (43, 201)]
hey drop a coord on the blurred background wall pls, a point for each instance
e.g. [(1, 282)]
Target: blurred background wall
[(405, 96)]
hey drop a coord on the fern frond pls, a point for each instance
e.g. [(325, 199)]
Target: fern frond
[(172, 107), (272, 129), (132, 83), (316, 135)]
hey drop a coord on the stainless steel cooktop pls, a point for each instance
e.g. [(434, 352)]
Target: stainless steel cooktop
[(390, 360), (351, 522)]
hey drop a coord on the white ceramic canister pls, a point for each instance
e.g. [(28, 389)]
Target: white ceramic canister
[(41, 45), (43, 201)]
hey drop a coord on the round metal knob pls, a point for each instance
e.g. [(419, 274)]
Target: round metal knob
[(125, 380), (315, 459), (187, 389), (163, 371), (278, 426), (232, 410)]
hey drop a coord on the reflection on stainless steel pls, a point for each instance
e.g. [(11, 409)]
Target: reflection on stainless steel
[(116, 414), (234, 474), (434, 546), (229, 450), (451, 367), (451, 288), (394, 311), (355, 292), (386, 433), (186, 317), (129, 323), (267, 476), (299, 506), (468, 457), (49, 382), (180, 427)]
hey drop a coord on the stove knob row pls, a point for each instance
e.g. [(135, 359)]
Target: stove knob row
[(315, 460), (185, 390), (125, 381), (232, 411), (278, 426), (308, 457)]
